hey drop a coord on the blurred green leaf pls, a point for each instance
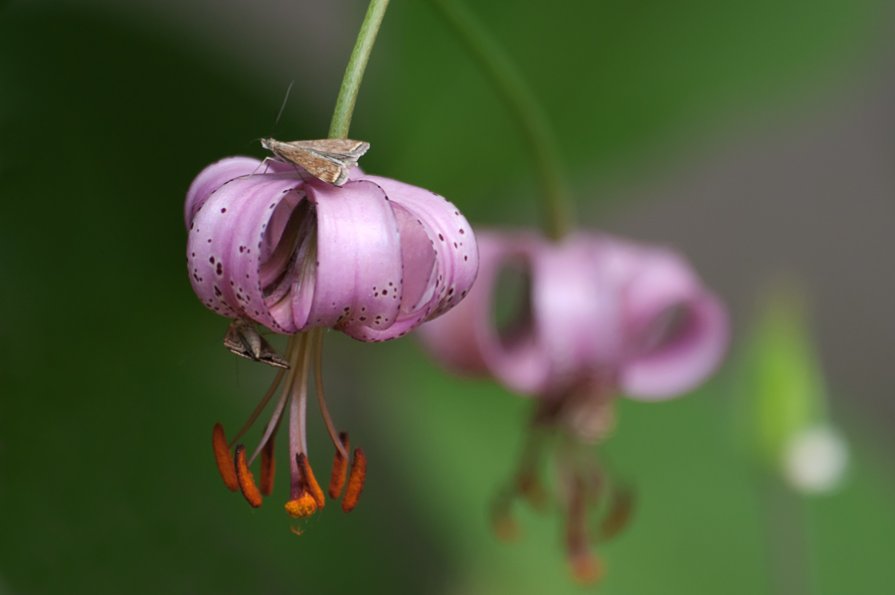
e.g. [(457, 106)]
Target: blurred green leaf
[(620, 80), (780, 389)]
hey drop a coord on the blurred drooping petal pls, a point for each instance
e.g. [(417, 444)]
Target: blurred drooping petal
[(601, 310), (678, 329), (468, 341)]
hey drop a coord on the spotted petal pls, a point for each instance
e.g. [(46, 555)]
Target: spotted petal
[(293, 254), (438, 253), (213, 177), (228, 245)]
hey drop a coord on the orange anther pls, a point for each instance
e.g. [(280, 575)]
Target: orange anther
[(586, 568), (505, 527), (620, 512), (222, 456), (301, 507), (355, 480), (268, 466), (340, 468), (310, 481), (246, 479)]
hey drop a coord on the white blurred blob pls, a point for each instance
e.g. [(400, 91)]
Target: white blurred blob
[(815, 460)]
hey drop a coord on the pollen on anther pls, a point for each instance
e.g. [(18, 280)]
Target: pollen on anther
[(222, 456), (355, 480), (586, 568), (246, 479), (340, 468), (301, 507)]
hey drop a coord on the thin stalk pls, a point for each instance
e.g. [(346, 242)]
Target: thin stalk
[(495, 62), (317, 363), (354, 72)]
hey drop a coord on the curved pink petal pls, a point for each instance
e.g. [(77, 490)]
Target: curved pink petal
[(213, 177), (226, 246), (358, 281), (578, 306), (678, 330), (439, 256), (467, 340), (450, 235)]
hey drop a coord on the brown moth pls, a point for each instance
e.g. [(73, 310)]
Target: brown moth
[(244, 340), (328, 159)]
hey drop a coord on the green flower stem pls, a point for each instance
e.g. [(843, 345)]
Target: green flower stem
[(520, 101), (354, 72)]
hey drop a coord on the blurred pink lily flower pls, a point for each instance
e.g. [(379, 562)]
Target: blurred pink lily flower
[(374, 259), (600, 316)]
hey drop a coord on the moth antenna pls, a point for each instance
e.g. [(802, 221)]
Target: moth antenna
[(283, 105)]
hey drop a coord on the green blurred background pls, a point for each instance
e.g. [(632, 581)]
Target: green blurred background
[(752, 135)]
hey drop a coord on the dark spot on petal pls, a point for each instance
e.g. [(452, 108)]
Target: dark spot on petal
[(441, 237), (223, 209)]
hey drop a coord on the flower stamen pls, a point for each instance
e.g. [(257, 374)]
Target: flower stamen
[(222, 456), (301, 507), (268, 466), (620, 511), (246, 479), (586, 567), (259, 408), (321, 398), (310, 482), (339, 471), (355, 480)]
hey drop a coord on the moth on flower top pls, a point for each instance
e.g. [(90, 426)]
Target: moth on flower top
[(328, 159)]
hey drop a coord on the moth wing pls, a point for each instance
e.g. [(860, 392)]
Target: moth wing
[(243, 339), (336, 147), (322, 166)]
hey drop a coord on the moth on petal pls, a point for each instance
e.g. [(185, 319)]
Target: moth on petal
[(329, 160)]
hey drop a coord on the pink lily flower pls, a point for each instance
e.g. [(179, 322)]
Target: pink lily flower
[(601, 317), (373, 258)]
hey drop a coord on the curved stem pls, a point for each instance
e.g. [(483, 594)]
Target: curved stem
[(354, 72), (520, 101)]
